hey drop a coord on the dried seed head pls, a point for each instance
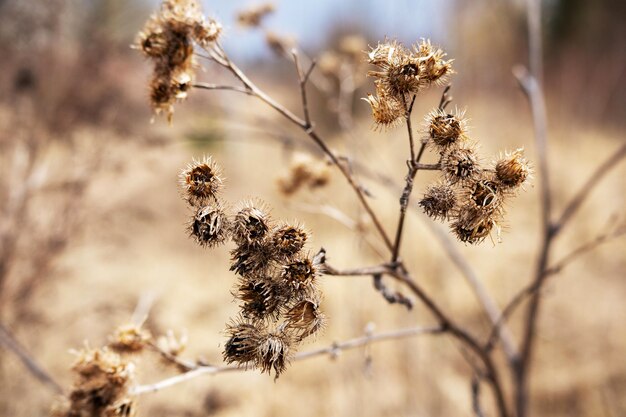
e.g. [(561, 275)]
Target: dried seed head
[(201, 181), (472, 225), (244, 341), (129, 338), (253, 259), (288, 241), (210, 225), (304, 171), (329, 64), (102, 384), (512, 169), (273, 353), (438, 201), (262, 298), (353, 46), (445, 129), (459, 164), (251, 224), (171, 344), (304, 319), (253, 16), (387, 111), (433, 67), (167, 38), (279, 44), (486, 195), (399, 70), (299, 273)]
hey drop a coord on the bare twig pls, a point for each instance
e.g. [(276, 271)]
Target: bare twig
[(392, 297), (332, 350), (7, 339), (478, 410), (490, 307), (309, 130)]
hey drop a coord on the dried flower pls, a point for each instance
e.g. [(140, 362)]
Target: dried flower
[(252, 258), (129, 338), (101, 387), (262, 298), (445, 129), (399, 72), (251, 224), (210, 225), (171, 344), (253, 16), (167, 38), (288, 240), (304, 318), (244, 341), (512, 169), (279, 44), (459, 164), (433, 67), (304, 171), (273, 353), (438, 201), (299, 273), (201, 181), (485, 194), (387, 111), (472, 225)]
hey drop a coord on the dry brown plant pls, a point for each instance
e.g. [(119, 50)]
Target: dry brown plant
[(277, 278)]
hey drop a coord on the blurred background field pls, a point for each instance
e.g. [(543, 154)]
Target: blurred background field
[(92, 220)]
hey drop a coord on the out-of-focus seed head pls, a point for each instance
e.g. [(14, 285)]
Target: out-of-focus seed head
[(288, 240), (210, 225), (244, 342), (101, 387), (513, 169), (279, 44), (329, 64), (262, 298), (433, 67), (438, 201), (352, 46), (445, 129), (304, 319), (253, 16), (171, 344), (460, 164), (273, 353), (252, 223), (299, 273), (472, 225), (168, 39), (128, 339), (201, 181), (304, 170), (387, 111)]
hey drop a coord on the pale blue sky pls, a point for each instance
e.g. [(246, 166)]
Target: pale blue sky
[(310, 20)]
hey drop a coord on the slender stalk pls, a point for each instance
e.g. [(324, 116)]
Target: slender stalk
[(309, 130), (330, 350)]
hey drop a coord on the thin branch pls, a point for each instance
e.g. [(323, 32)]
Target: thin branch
[(7, 339), (489, 305), (313, 135), (331, 350), (303, 79), (588, 187), (392, 297), (478, 410), (207, 86), (550, 271)]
